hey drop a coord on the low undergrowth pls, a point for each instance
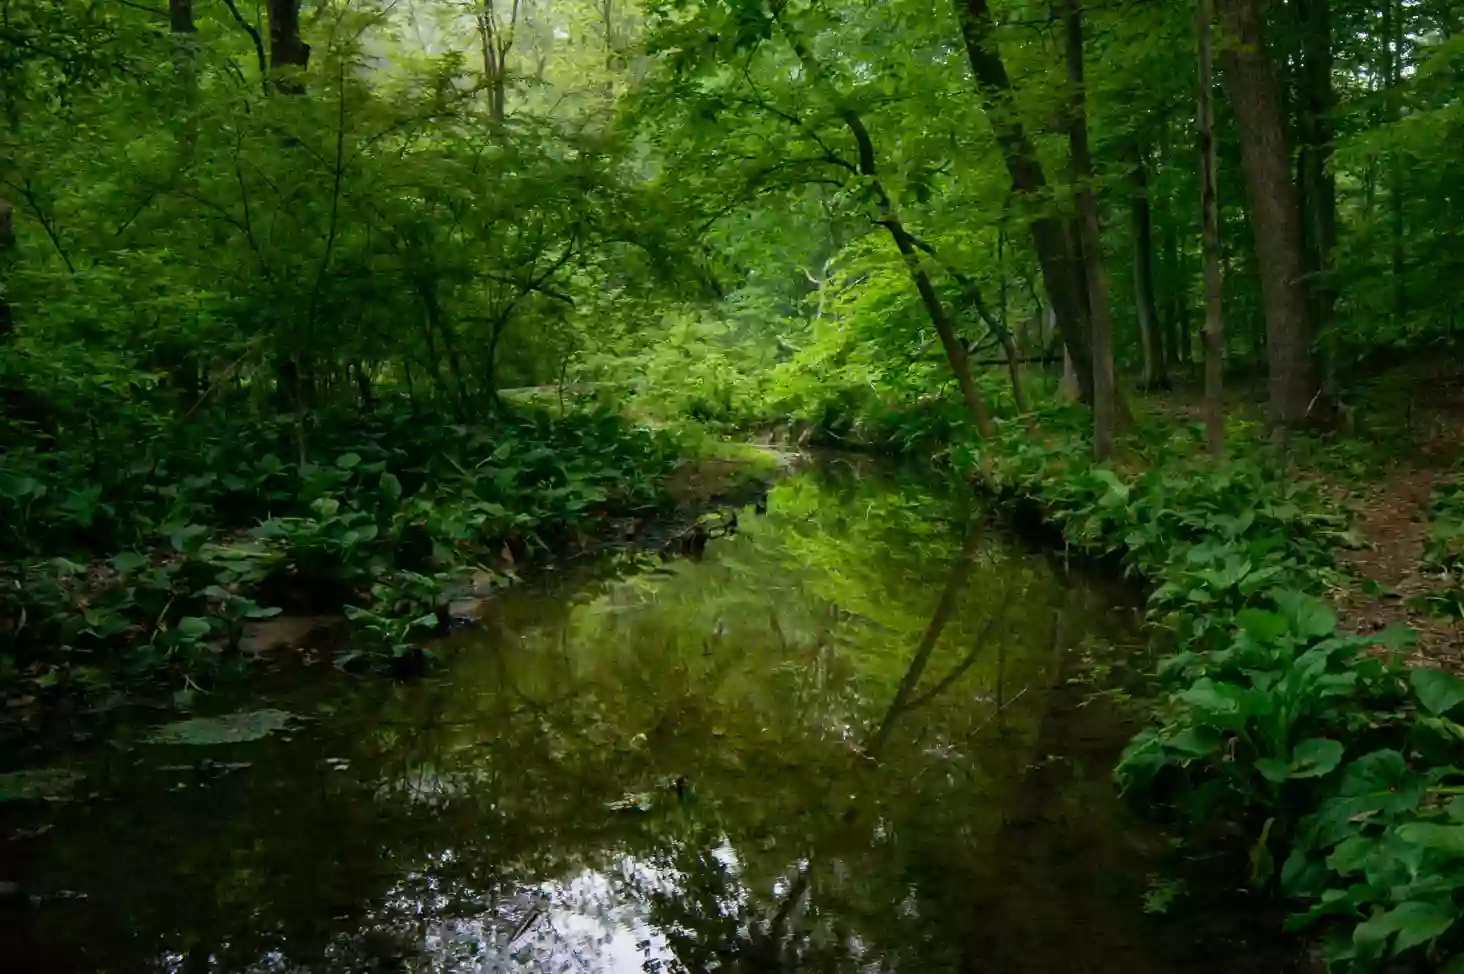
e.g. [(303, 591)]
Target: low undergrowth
[(1443, 555), (159, 565), (1335, 764)]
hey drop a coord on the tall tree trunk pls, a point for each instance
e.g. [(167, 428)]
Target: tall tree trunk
[(1176, 292), (1392, 69), (1008, 340), (955, 349), (185, 69), (1151, 333), (1210, 237), (497, 38), (1049, 238), (7, 252), (180, 16), (1275, 215), (1104, 397), (1318, 183), (288, 54)]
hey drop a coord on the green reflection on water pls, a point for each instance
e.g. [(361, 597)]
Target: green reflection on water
[(842, 740)]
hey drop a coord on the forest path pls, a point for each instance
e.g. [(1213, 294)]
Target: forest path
[(1392, 514), (1393, 518)]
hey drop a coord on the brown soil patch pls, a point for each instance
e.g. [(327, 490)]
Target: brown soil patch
[(1395, 524)]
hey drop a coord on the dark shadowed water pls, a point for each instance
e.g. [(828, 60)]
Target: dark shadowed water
[(859, 736)]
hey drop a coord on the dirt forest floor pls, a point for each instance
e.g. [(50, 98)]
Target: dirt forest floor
[(1412, 418), (1393, 520), (1419, 415), (1410, 423)]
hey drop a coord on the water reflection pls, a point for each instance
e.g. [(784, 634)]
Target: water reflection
[(812, 750)]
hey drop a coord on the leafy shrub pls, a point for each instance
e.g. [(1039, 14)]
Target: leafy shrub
[(229, 531), (1322, 749)]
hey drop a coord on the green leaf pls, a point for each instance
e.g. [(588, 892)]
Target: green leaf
[(1439, 692), (1445, 839), (1415, 922), (391, 487), (325, 507), (38, 784), (1308, 617), (129, 561), (192, 627), (1260, 625), (1350, 855), (188, 538), (228, 729), (347, 461), (1316, 757), (1273, 769)]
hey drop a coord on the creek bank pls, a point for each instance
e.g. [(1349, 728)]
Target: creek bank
[(1315, 752), (698, 714), (407, 524)]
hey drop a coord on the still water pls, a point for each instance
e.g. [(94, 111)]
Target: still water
[(860, 735)]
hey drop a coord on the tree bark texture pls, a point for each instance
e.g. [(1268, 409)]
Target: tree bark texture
[(1096, 277), (498, 38), (1274, 210), (7, 252), (1214, 404), (287, 52), (1392, 70), (1151, 332), (1318, 137), (180, 16), (1049, 237), (1176, 299)]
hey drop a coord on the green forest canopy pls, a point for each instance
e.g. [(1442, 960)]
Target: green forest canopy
[(789, 208)]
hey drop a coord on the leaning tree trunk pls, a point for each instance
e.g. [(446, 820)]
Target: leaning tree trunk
[(1104, 396), (1210, 237), (1151, 332), (1275, 214), (955, 349), (288, 54), (1049, 238)]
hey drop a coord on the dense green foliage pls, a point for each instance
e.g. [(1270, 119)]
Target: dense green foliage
[(273, 283), (392, 524), (1317, 750)]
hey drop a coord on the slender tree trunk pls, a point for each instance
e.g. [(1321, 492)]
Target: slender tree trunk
[(185, 70), (1392, 68), (1104, 395), (497, 41), (1029, 182), (1275, 216), (1318, 184), (955, 349), (180, 16), (1210, 237), (1008, 342), (7, 256), (1175, 294), (287, 52), (1151, 332)]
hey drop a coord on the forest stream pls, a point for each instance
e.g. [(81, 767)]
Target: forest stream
[(867, 732)]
